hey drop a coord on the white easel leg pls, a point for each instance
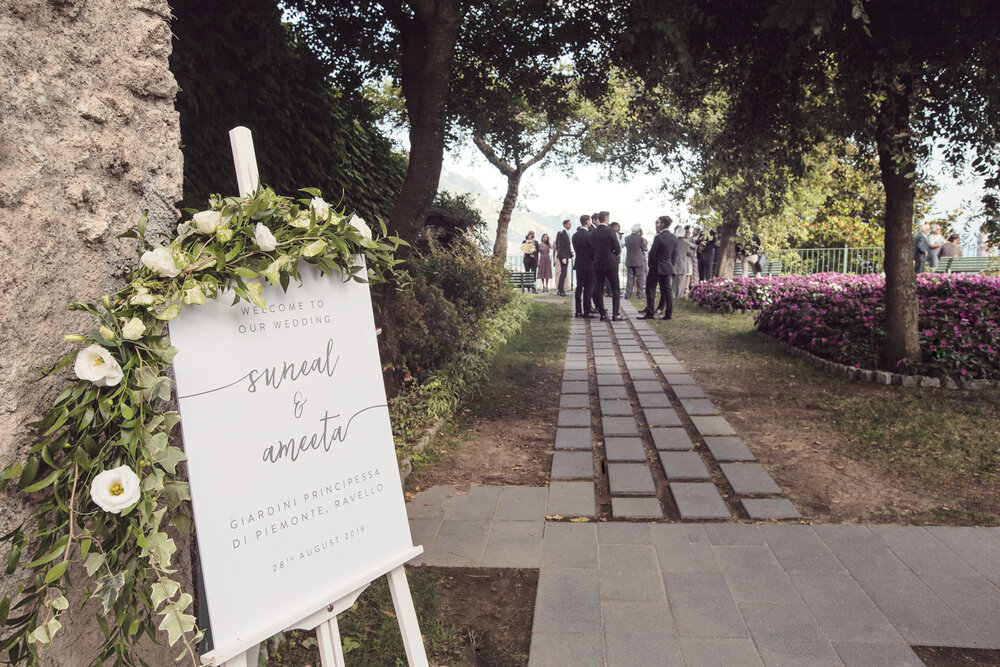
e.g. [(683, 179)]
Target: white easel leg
[(407, 617), (241, 660), (331, 652)]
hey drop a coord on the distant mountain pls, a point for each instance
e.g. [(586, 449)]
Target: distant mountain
[(521, 221)]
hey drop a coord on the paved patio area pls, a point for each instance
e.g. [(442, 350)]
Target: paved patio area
[(679, 570)]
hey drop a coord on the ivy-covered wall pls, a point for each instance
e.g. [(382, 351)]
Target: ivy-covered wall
[(237, 64)]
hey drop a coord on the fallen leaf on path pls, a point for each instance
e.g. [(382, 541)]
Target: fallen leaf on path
[(579, 519)]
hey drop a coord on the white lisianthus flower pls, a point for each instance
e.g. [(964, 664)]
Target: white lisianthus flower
[(95, 364), (320, 208), (133, 329), (264, 238), (362, 227), (106, 333), (161, 262), (207, 221), (115, 490)]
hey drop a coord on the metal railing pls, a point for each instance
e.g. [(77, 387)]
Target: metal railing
[(821, 260)]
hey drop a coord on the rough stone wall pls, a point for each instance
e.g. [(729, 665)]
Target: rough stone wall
[(88, 139)]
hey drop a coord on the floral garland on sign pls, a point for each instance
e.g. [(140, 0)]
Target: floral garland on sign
[(102, 474)]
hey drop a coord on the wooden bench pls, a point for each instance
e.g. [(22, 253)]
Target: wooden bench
[(523, 280), (767, 269), (964, 264)]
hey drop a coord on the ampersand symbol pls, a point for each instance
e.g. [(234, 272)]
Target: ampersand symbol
[(299, 404)]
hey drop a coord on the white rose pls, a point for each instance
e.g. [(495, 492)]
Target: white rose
[(160, 261), (264, 238), (133, 329), (115, 490), (362, 227), (95, 364), (207, 221), (320, 208)]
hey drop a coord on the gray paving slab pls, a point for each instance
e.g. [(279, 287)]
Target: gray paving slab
[(422, 531), (657, 400), (608, 392), (572, 465), (606, 369), (699, 406), (699, 500), (675, 379), (574, 418), (712, 426), (716, 652), (550, 649), (770, 508), (979, 547), (458, 544), (569, 545), (974, 599), (688, 391), (799, 549), (639, 633), (728, 448), (734, 534), (661, 417), (619, 426), (522, 503), (574, 401), (749, 479), (785, 634), (922, 552), (514, 544), (567, 601), (430, 502), (610, 532), (624, 449), (575, 365), (702, 605), (630, 478), (671, 369), (479, 503), (858, 654), (842, 609), (630, 572), (616, 408), (645, 386), (571, 499), (683, 465), (575, 387), (573, 438), (636, 508), (642, 375), (614, 379), (754, 574), (575, 357), (671, 438), (574, 376)]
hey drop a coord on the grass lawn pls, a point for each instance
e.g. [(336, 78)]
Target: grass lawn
[(924, 455)]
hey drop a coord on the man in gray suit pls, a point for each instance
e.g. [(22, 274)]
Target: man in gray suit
[(635, 261), (921, 247)]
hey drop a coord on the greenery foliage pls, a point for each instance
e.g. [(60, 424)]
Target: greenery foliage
[(304, 129), (113, 420)]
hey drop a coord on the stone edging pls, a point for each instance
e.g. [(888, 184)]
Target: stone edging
[(406, 463), (867, 375)]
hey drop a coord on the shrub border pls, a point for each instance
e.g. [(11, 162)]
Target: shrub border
[(873, 376)]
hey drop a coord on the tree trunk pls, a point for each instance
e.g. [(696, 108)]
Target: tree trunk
[(891, 132), (727, 249), (428, 47), (503, 220)]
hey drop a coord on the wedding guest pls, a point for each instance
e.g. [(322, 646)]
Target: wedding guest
[(707, 243), (921, 248), (564, 253), (544, 262), (584, 266), (607, 251), (662, 257), (952, 248), (635, 261), (684, 249)]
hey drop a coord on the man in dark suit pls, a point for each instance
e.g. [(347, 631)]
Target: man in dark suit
[(564, 253), (921, 246), (662, 257), (584, 267), (607, 250)]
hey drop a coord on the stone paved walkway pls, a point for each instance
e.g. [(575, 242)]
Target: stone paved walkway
[(674, 572)]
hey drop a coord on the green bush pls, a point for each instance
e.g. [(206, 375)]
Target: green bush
[(471, 282), (430, 327)]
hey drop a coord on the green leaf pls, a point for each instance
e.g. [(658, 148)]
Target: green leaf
[(38, 486), (163, 591), (54, 552), (244, 272), (312, 191), (93, 563), (4, 609), (56, 571), (108, 588), (29, 472)]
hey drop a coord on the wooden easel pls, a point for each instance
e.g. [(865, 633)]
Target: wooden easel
[(323, 620)]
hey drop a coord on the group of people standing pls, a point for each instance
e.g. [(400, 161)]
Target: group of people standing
[(930, 244)]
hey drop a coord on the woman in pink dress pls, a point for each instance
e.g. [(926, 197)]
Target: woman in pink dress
[(545, 262)]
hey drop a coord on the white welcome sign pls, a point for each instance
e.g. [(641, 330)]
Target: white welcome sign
[(294, 482)]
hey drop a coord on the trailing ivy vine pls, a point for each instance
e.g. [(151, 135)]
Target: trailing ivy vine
[(103, 477)]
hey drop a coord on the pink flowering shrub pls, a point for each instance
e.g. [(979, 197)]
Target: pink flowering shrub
[(841, 317), (727, 295)]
